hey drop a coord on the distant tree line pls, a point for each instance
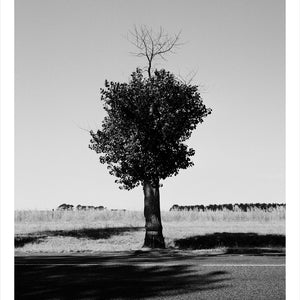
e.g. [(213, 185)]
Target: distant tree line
[(232, 207), (70, 207), (65, 206)]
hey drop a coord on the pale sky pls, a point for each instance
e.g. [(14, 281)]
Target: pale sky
[(64, 50)]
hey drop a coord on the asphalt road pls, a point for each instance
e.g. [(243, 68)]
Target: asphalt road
[(150, 275)]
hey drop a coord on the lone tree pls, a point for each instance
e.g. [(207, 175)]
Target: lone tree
[(142, 137)]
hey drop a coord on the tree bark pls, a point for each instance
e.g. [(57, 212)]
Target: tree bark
[(154, 237)]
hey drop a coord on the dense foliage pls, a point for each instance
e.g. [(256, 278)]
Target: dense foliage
[(148, 120)]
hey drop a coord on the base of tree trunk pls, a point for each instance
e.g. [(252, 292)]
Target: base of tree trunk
[(154, 240)]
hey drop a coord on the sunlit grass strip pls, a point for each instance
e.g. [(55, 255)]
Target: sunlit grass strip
[(176, 225)]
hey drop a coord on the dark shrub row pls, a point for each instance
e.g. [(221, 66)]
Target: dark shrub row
[(232, 207)]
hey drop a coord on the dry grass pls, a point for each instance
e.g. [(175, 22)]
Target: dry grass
[(176, 225), (34, 220)]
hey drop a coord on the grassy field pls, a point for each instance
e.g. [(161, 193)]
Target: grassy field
[(93, 231)]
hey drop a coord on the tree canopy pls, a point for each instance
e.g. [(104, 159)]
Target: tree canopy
[(148, 120)]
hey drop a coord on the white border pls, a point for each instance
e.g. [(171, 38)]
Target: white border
[(7, 151), (292, 148)]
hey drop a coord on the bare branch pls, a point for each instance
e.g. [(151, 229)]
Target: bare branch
[(152, 44), (187, 79), (84, 129)]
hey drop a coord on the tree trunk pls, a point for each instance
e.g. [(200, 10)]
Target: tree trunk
[(149, 68), (153, 237)]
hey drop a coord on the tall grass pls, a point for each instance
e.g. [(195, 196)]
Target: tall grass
[(35, 220), (252, 215), (29, 216), (176, 225), (128, 217)]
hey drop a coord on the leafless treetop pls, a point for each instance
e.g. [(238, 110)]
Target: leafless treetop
[(152, 44)]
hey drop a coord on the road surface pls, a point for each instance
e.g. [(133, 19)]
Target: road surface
[(150, 275)]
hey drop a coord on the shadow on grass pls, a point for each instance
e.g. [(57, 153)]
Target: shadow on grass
[(61, 278), (88, 233), (20, 241), (234, 241)]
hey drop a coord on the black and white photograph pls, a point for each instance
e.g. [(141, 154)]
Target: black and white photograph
[(150, 149)]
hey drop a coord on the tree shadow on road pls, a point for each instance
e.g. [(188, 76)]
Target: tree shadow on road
[(111, 279), (89, 233)]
